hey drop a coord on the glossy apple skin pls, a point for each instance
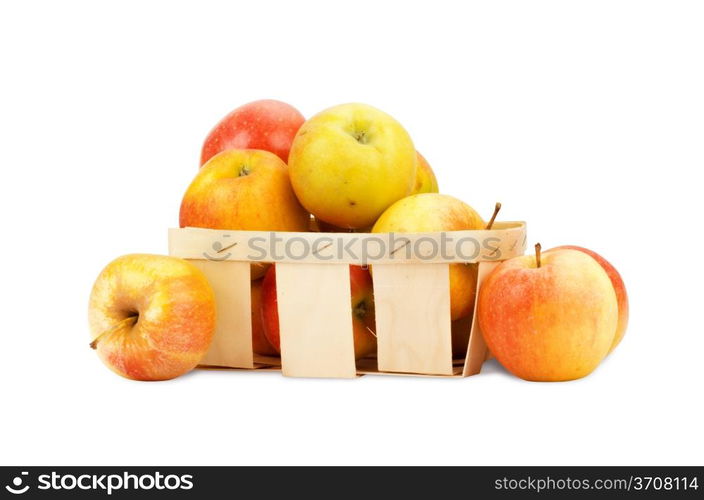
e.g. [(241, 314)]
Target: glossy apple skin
[(351, 162), (363, 317), (260, 344), (619, 288), (432, 212), (552, 323), (164, 309), (266, 124), (245, 190), (426, 182)]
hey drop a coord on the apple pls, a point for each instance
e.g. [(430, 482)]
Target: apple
[(243, 189), (426, 182), (619, 288), (267, 124), (324, 227), (433, 212), (363, 324), (461, 329), (549, 317), (151, 317), (260, 344), (349, 163)]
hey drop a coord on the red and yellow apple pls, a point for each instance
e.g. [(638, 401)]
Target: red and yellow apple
[(351, 162), (260, 344), (619, 288), (267, 124), (549, 317), (363, 321), (433, 212), (243, 189), (151, 317), (426, 182)]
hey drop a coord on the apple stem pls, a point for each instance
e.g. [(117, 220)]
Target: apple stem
[(127, 322), (497, 207), (537, 254)]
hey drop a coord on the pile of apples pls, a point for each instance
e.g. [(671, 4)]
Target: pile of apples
[(350, 168)]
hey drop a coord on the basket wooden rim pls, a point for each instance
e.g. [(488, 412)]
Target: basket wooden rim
[(505, 240)]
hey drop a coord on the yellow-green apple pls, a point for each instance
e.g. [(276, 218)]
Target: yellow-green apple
[(619, 288), (362, 311), (351, 162), (266, 124), (260, 344), (151, 317), (243, 189), (549, 317), (433, 212), (426, 182)]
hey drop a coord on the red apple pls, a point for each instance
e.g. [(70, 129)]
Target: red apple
[(151, 317), (548, 318), (260, 344), (619, 288), (243, 189), (362, 311), (267, 124)]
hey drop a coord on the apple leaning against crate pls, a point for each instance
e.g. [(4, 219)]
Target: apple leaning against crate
[(412, 298)]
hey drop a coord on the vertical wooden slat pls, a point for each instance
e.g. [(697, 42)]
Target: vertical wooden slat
[(315, 320), (477, 350), (232, 344), (413, 318)]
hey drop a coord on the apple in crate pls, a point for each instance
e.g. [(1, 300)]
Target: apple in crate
[(151, 317), (549, 317), (267, 124), (243, 189), (426, 182), (351, 162), (362, 311), (433, 212), (619, 288), (260, 344)]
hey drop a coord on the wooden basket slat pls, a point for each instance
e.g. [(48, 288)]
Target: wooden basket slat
[(315, 320), (506, 240), (477, 350), (232, 343), (412, 300)]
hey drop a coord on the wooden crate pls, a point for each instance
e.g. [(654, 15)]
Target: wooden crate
[(411, 293)]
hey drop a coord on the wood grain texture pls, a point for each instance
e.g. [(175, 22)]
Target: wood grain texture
[(477, 351), (413, 318), (232, 343), (315, 320)]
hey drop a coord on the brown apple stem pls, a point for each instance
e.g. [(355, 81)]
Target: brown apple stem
[(127, 322), (493, 217), (537, 254)]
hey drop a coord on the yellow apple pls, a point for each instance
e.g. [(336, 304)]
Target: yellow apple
[(349, 163), (433, 212), (151, 317), (426, 182)]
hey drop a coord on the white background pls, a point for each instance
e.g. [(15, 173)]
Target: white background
[(584, 118)]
